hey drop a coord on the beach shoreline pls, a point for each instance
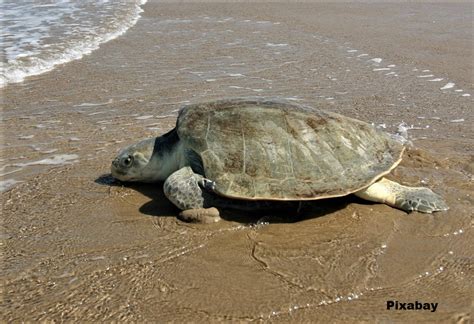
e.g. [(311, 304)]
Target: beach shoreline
[(79, 246)]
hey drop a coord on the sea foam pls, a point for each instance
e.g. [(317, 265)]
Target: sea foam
[(36, 36)]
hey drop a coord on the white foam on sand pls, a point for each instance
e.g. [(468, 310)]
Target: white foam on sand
[(466, 95), (382, 69), (401, 134), (17, 71), (426, 76), (144, 117), (7, 184), (436, 80), (448, 86), (60, 159), (25, 137), (93, 104), (49, 151), (376, 60), (276, 45), (165, 116)]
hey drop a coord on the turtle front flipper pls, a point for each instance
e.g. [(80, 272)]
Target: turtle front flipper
[(406, 198), (200, 215), (183, 190)]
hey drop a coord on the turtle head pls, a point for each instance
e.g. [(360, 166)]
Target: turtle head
[(134, 163), (150, 160)]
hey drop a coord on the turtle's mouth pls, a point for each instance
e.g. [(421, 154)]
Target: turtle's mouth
[(117, 172)]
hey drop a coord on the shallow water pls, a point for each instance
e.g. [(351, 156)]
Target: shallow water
[(78, 246), (38, 35)]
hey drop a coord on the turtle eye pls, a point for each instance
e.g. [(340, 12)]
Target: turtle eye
[(127, 161)]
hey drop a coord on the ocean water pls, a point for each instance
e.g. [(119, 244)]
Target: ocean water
[(37, 35)]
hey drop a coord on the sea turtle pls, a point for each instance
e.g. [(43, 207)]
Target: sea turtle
[(249, 153)]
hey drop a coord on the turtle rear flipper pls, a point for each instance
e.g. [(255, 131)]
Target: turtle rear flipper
[(420, 199), (405, 198)]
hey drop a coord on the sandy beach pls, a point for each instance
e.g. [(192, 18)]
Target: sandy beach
[(79, 246)]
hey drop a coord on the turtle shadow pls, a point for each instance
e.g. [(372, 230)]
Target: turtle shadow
[(288, 213), (284, 212), (158, 205)]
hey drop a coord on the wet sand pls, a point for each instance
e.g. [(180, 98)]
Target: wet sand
[(78, 246)]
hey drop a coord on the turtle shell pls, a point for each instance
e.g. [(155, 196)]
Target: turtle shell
[(273, 150)]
